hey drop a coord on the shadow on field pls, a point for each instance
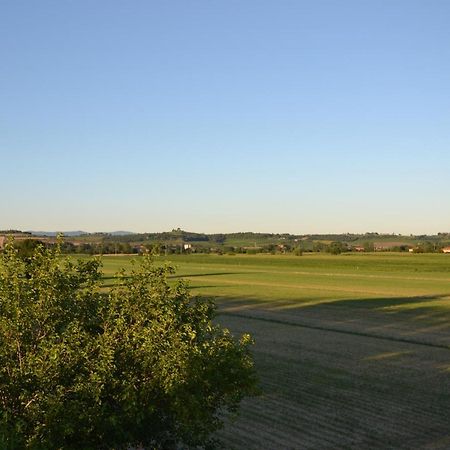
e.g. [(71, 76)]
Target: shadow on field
[(201, 286), (209, 274), (186, 275), (423, 320), (420, 301), (438, 303), (112, 280)]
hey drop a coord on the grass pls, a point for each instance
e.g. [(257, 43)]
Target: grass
[(353, 351), (310, 279)]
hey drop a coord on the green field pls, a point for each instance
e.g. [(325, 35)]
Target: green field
[(353, 351)]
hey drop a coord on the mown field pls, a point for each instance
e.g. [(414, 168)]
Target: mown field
[(353, 351)]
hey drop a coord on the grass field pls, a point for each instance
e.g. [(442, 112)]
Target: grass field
[(353, 351)]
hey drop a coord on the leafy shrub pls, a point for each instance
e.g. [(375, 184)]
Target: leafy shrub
[(140, 365)]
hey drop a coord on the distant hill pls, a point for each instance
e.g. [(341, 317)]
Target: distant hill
[(55, 233), (121, 233), (78, 233), (179, 240), (248, 239)]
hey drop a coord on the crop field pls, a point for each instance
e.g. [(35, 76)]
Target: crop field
[(352, 351)]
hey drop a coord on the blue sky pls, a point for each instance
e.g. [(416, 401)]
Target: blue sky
[(219, 116)]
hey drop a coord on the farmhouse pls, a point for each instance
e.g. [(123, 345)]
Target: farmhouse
[(446, 250)]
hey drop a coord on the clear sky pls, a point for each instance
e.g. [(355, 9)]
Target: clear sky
[(225, 115)]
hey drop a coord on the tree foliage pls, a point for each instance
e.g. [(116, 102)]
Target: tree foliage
[(140, 365)]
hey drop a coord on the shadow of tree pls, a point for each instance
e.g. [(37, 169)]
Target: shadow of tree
[(209, 274), (420, 319)]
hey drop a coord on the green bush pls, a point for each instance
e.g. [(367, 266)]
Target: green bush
[(140, 365)]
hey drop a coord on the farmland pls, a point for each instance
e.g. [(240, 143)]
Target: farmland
[(353, 351)]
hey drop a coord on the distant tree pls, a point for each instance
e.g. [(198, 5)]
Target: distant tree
[(218, 238), (369, 246), (143, 365), (26, 247), (68, 247), (86, 248), (271, 248), (319, 247), (429, 247), (335, 248)]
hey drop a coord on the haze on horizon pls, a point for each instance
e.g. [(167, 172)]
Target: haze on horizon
[(287, 116)]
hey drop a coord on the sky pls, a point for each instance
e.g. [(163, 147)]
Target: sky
[(319, 116)]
